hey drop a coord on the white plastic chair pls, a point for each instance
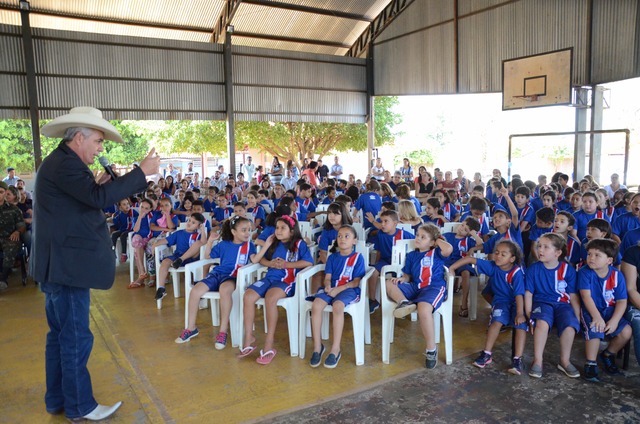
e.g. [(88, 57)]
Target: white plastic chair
[(175, 278), (251, 274), (308, 231), (450, 227), (195, 272), (132, 261), (406, 227), (388, 320), (474, 282), (358, 311)]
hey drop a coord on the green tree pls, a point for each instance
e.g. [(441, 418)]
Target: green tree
[(297, 140), (16, 145), (193, 137), (417, 158)]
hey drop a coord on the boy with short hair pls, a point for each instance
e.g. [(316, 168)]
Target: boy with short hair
[(209, 202), (369, 202), (222, 212), (477, 208), (545, 218), (589, 211), (596, 229), (565, 203), (604, 299), (465, 240), (306, 207), (122, 224), (563, 226), (183, 240), (198, 207), (506, 225), (526, 214), (386, 238)]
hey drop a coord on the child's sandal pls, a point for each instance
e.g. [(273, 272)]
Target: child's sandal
[(464, 312)]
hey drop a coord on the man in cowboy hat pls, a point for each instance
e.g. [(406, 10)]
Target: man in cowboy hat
[(72, 251)]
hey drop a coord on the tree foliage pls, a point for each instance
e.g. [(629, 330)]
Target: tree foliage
[(16, 145), (193, 137)]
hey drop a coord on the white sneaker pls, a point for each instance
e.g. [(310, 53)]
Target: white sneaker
[(100, 413)]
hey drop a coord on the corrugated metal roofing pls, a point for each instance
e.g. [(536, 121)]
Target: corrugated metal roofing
[(283, 28)]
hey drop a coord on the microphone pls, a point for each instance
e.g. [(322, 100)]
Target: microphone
[(105, 164)]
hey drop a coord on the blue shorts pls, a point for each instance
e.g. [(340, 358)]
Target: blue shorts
[(433, 295), (472, 270), (214, 280), (380, 264), (590, 334), (261, 287), (505, 313), (347, 296), (559, 314)]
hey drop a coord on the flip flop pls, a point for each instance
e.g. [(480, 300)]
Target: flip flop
[(246, 351), (464, 312), (135, 285), (266, 357)]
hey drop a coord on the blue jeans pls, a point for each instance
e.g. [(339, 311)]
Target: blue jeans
[(69, 344), (633, 316)]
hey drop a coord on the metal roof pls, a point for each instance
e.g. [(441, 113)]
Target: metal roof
[(314, 26)]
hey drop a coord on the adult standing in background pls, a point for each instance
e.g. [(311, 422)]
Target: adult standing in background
[(72, 251), (310, 172), (293, 170), (464, 181), (249, 169), (171, 171), (322, 172), (11, 179), (336, 169), (406, 171), (276, 171), (377, 171), (614, 186)]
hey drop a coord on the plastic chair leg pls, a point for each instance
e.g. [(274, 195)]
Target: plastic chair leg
[(473, 298), (292, 322), (358, 339)]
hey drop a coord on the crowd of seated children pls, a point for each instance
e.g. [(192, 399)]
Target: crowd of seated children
[(553, 224)]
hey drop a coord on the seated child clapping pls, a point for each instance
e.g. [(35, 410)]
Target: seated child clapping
[(343, 272), (507, 304), (422, 285)]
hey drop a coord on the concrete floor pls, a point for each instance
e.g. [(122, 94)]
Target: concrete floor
[(135, 360)]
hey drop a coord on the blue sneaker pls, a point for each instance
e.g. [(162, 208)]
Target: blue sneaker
[(591, 372), (483, 360), (373, 305), (187, 335), (609, 362), (316, 357), (332, 360)]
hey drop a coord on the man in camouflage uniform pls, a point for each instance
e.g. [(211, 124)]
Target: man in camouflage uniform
[(11, 228)]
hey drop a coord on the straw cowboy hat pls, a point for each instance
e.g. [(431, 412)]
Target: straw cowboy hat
[(83, 116)]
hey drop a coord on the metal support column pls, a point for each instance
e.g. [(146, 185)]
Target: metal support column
[(595, 153), (580, 145), (32, 89), (371, 129), (228, 89)]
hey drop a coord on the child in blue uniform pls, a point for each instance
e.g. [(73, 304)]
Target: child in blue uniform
[(422, 285), (464, 241), (222, 212), (545, 218), (588, 212), (235, 250), (122, 224), (604, 299), (449, 211), (507, 305), (337, 216), (597, 228), (526, 214), (285, 255), (551, 299), (182, 240), (369, 202), (433, 213), (306, 206), (563, 226), (343, 272), (140, 239), (627, 221), (255, 209), (384, 242), (477, 208), (506, 224)]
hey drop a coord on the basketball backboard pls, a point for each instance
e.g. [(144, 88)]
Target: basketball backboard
[(538, 80)]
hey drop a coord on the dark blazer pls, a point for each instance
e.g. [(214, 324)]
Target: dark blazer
[(71, 241)]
